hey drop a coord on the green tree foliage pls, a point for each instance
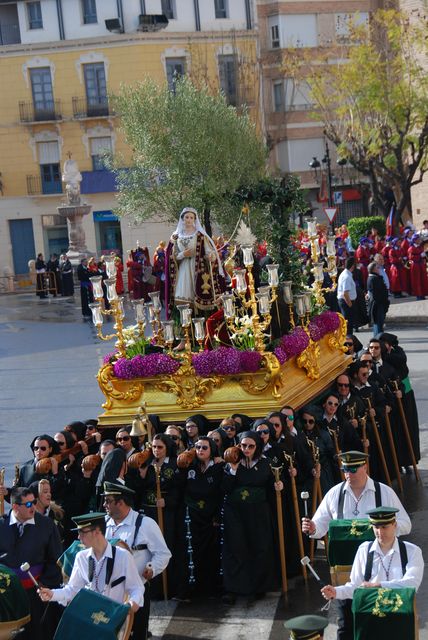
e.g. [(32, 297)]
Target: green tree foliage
[(189, 149), (278, 200), (371, 94), (358, 227)]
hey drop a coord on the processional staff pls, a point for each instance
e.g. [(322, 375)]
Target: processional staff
[(161, 525), (276, 472), (378, 442), (1, 495), (393, 451), (290, 462), (407, 432)]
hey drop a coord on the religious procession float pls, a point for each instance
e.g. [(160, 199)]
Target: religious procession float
[(261, 348)]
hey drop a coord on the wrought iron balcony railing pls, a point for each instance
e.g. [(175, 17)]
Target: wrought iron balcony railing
[(91, 107), (40, 111)]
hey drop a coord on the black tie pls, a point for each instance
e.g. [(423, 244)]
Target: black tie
[(20, 526)]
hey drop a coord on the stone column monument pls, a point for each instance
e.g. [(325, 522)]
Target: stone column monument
[(74, 209)]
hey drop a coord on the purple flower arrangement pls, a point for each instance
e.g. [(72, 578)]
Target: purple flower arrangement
[(225, 360), (140, 366)]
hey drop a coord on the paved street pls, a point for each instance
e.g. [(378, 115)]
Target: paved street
[(49, 358)]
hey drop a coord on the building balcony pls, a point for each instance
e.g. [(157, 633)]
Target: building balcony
[(40, 112), (102, 181), (38, 187), (9, 34), (91, 108)]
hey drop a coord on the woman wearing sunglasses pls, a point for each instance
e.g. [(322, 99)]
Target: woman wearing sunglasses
[(248, 549), (340, 431), (43, 446), (196, 426), (230, 428), (319, 445), (163, 463), (179, 436), (203, 497)]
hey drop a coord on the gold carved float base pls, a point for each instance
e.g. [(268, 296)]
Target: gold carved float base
[(174, 398)]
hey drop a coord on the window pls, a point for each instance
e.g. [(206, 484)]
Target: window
[(299, 30), (228, 77), (168, 9), (220, 7), (99, 148), (175, 68), (344, 22), (34, 13), (41, 85), (96, 89), (295, 155), (89, 11), (278, 96), (49, 167), (274, 37), (297, 95)]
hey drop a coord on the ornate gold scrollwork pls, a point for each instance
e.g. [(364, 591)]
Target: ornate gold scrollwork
[(189, 389), (310, 360), (272, 377), (336, 339), (105, 377)]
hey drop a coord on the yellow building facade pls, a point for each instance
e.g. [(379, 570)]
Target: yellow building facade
[(55, 101)]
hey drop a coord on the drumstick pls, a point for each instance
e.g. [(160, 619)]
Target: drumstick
[(305, 497), (307, 563), (26, 567)]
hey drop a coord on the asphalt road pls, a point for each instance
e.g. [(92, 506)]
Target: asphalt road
[(49, 358)]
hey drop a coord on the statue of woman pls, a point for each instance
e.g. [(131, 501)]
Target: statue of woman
[(194, 273)]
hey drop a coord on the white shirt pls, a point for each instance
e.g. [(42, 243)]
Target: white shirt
[(157, 553), (384, 275), (381, 564), (346, 283), (14, 520), (124, 565), (327, 510)]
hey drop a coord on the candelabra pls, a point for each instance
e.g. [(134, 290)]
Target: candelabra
[(318, 266), (116, 306), (258, 304)]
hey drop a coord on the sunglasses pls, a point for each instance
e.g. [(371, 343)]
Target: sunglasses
[(201, 447), (60, 442), (28, 504), (343, 384), (42, 448), (123, 439), (332, 404), (349, 344), (174, 437), (291, 417), (350, 469), (310, 421), (374, 346), (229, 428), (265, 431), (248, 446), (89, 428), (367, 361)]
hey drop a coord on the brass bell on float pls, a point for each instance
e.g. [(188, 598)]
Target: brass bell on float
[(139, 425)]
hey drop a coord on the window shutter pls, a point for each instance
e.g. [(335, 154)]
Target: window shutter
[(100, 146), (48, 152)]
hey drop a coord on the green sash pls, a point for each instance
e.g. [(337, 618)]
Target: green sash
[(344, 538), (384, 613), (406, 383), (91, 615)]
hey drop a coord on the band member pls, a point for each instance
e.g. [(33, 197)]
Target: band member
[(353, 499), (108, 570), (306, 627), (27, 536), (143, 537), (387, 562)]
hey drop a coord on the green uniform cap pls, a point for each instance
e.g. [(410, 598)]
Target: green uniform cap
[(116, 489), (382, 515), (306, 627), (88, 520), (353, 458)]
